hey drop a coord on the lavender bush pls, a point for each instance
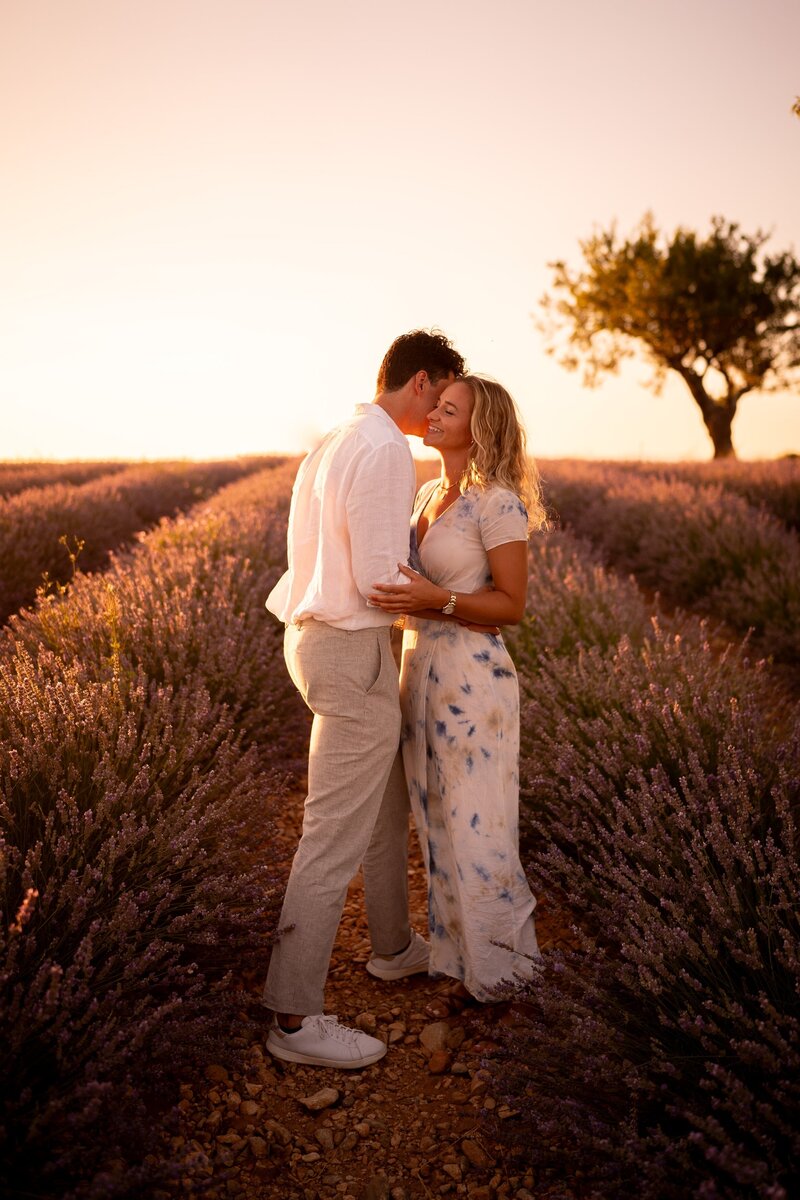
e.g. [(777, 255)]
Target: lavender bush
[(44, 529), (611, 687), (665, 1050), (774, 485), (191, 598), (700, 546), (658, 1053), (18, 476), (145, 722)]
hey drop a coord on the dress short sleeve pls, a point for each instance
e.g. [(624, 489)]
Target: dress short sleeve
[(502, 518)]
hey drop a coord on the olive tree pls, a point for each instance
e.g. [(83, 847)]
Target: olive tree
[(716, 310)]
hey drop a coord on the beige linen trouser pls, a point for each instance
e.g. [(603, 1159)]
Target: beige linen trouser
[(356, 812)]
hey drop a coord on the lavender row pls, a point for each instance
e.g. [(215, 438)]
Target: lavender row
[(774, 486), (45, 531), (700, 546), (658, 1055), (145, 725), (16, 477)]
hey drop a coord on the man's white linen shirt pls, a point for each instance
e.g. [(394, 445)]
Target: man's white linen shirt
[(348, 524)]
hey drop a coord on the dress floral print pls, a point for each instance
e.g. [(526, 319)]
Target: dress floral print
[(460, 703)]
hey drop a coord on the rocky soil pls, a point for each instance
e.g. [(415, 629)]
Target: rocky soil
[(415, 1124)]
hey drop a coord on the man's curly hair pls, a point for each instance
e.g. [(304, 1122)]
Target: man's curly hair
[(420, 350)]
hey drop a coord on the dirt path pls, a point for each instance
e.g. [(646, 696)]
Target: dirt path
[(412, 1125)]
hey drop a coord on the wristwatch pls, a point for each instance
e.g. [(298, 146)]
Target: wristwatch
[(450, 606)]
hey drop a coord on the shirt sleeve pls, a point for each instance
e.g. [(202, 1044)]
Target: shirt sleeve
[(502, 518), (379, 507)]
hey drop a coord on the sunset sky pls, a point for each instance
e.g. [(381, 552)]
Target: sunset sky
[(215, 215)]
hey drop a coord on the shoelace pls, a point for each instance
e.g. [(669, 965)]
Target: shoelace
[(328, 1026)]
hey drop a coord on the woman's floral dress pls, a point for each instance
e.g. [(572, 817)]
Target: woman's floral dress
[(460, 703)]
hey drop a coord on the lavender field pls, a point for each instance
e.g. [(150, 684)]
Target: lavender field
[(698, 540), (74, 517), (148, 728), (146, 725), (19, 476)]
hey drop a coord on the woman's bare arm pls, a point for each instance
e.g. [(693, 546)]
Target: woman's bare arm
[(503, 604)]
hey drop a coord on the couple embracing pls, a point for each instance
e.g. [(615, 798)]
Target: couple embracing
[(445, 737)]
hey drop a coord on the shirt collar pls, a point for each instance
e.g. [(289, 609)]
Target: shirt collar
[(366, 409)]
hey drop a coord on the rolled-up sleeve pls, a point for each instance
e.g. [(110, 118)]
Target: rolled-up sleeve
[(379, 504)]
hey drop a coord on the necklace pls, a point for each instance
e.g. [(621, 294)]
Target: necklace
[(445, 490)]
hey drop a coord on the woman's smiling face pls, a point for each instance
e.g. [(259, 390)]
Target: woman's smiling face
[(449, 423)]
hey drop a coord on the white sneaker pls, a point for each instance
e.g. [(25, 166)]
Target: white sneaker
[(411, 961), (322, 1042)]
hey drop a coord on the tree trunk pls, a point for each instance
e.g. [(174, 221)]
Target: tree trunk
[(718, 423), (717, 416)]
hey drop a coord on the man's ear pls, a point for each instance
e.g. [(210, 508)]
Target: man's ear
[(420, 379)]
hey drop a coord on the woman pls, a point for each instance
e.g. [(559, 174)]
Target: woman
[(459, 689)]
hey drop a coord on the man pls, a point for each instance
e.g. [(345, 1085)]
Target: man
[(348, 529)]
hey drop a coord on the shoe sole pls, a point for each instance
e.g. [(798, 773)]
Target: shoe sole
[(391, 974), (310, 1060)]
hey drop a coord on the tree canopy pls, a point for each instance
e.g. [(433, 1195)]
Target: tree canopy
[(716, 310)]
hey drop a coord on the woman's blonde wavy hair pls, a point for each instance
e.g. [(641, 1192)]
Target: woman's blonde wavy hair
[(498, 453)]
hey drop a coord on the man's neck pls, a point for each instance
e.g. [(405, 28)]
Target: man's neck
[(395, 405)]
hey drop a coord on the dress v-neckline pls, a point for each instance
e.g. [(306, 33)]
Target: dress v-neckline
[(435, 519)]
